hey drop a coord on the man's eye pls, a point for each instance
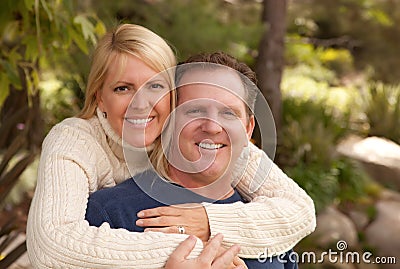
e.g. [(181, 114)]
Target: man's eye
[(157, 86), (229, 114), (121, 89)]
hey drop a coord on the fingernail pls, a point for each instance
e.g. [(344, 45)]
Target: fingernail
[(220, 236), (140, 214), (139, 222), (192, 238)]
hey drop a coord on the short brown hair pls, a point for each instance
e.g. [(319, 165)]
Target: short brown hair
[(218, 59)]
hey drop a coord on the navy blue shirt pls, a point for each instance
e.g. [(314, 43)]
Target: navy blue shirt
[(119, 206)]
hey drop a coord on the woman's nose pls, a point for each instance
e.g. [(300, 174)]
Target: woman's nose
[(140, 101)]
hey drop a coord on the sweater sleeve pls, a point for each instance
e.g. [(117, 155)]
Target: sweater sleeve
[(279, 215), (58, 236)]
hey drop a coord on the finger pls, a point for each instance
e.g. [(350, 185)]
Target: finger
[(211, 250), (162, 221), (184, 248), (167, 230), (187, 206), (238, 261), (159, 211), (226, 258)]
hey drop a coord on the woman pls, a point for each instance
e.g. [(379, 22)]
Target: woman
[(83, 154)]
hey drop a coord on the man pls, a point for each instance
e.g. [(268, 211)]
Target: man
[(205, 136)]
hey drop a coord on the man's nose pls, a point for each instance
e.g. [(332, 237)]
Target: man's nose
[(211, 126)]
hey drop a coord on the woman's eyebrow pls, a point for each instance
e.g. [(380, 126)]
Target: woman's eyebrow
[(121, 82)]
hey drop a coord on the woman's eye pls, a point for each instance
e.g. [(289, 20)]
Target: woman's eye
[(121, 89)]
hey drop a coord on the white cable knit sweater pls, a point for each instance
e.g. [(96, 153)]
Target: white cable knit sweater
[(81, 156)]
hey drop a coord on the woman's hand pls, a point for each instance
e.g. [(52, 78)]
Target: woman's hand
[(192, 217), (210, 258)]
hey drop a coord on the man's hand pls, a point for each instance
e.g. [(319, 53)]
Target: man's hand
[(210, 258)]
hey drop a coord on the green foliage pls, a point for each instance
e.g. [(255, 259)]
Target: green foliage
[(312, 127), (382, 110), (298, 51), (338, 60), (195, 26), (35, 33), (342, 181), (59, 98), (319, 182), (352, 180), (321, 64), (310, 131), (368, 29)]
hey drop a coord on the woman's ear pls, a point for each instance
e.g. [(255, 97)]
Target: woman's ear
[(99, 100)]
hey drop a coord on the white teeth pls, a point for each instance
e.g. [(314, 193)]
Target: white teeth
[(210, 146), (139, 121)]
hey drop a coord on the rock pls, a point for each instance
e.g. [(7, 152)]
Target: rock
[(334, 226), (389, 195), (380, 157), (359, 218), (383, 234)]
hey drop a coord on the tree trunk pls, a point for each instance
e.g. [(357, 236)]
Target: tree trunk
[(270, 61)]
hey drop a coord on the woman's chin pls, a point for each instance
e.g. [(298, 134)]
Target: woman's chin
[(134, 142)]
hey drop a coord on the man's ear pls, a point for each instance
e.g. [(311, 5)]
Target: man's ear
[(250, 126)]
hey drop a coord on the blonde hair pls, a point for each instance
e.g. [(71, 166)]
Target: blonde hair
[(126, 39), (157, 156)]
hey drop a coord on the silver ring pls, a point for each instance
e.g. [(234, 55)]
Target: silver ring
[(181, 229)]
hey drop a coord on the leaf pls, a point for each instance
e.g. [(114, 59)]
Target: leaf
[(29, 4), (12, 73), (87, 28), (100, 28), (4, 88), (29, 85), (79, 40), (35, 77), (11, 31), (46, 8), (31, 44)]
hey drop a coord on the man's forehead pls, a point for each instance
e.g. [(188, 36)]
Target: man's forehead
[(204, 93), (210, 102), (222, 78)]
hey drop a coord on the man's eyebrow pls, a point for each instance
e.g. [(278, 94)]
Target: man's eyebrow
[(150, 81), (235, 109)]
